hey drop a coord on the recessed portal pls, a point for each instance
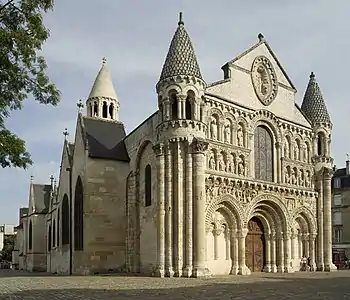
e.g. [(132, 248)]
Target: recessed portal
[(255, 246)]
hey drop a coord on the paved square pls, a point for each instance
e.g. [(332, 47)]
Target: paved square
[(18, 285)]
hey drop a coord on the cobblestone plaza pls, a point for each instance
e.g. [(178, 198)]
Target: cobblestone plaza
[(18, 285)]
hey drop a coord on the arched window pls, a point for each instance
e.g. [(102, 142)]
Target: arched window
[(54, 234), (30, 236), (79, 216), (111, 111), (174, 108), (65, 221), (148, 185), (58, 227), (320, 144), (49, 237), (263, 154), (188, 108), (104, 110), (95, 109)]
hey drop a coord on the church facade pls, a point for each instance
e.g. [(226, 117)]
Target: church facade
[(230, 177)]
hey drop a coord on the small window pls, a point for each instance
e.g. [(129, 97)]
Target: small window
[(148, 185), (30, 238), (338, 235), (337, 183), (337, 218), (337, 199)]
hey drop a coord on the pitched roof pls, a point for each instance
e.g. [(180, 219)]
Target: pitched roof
[(313, 105), (103, 85), (41, 197), (105, 139), (181, 58)]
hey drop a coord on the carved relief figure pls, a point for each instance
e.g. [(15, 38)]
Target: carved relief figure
[(212, 163), (213, 128), (287, 175), (240, 136), (241, 166), (221, 162), (296, 150), (306, 153), (286, 153), (301, 178), (227, 132), (308, 179), (263, 80), (230, 164), (294, 174)]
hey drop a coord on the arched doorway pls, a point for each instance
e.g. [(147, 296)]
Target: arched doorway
[(255, 246)]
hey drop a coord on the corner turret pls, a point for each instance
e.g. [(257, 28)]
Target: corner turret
[(102, 102)]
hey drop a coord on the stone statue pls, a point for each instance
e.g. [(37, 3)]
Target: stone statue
[(307, 179), (227, 133), (222, 166), (230, 164), (286, 149), (306, 154), (213, 129), (240, 137), (212, 163), (301, 177), (294, 175), (241, 166), (296, 151), (286, 176)]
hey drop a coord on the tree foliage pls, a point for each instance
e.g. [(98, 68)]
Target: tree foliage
[(9, 245), (22, 70)]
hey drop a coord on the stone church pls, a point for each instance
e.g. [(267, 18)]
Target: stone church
[(229, 177)]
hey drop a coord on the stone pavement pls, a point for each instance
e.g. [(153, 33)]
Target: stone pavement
[(19, 285)]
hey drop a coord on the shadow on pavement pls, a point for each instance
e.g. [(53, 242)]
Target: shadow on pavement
[(271, 288)]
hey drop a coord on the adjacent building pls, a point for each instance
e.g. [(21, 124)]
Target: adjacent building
[(228, 177), (341, 212)]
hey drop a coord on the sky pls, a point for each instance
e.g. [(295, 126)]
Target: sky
[(134, 36)]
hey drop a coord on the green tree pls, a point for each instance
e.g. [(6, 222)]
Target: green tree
[(9, 245), (22, 70)]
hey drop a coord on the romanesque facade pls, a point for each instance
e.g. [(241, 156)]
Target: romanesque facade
[(230, 177)]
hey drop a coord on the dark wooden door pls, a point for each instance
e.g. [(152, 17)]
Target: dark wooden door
[(255, 246)]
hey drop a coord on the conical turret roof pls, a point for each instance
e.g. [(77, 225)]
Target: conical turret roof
[(103, 85), (313, 105), (181, 58)]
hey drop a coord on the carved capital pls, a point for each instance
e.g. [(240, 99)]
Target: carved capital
[(200, 146), (181, 97), (158, 149), (218, 231), (243, 233), (327, 174)]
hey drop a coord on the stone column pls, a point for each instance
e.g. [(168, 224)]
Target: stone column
[(293, 249), (280, 266), (273, 253), (300, 246), (267, 267), (306, 245), (198, 159), (242, 268), (228, 243), (216, 232), (187, 272), (312, 251), (166, 109), (168, 213), (278, 163), (181, 106), (327, 221), (234, 252), (320, 254), (158, 149), (179, 211), (287, 253)]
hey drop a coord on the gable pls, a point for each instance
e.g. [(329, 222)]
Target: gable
[(242, 85)]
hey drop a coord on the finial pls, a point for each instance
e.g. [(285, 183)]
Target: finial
[(52, 179), (104, 61), (31, 178), (347, 156), (312, 75), (80, 105), (65, 133), (181, 21), (260, 37)]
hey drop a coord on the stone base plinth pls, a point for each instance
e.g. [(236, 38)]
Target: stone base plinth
[(201, 272), (244, 270), (330, 268)]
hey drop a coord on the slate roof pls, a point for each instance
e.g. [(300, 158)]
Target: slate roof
[(105, 139), (344, 179), (41, 196), (181, 58), (313, 105)]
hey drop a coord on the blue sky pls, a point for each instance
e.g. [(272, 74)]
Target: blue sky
[(134, 35)]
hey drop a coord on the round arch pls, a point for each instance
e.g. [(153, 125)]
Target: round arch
[(305, 215)]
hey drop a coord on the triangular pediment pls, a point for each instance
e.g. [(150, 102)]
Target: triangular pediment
[(245, 61)]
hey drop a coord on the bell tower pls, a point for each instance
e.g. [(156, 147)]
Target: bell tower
[(102, 102), (315, 110), (180, 156)]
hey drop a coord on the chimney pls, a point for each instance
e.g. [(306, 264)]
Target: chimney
[(347, 164)]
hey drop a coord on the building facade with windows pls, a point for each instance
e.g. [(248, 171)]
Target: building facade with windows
[(341, 212), (229, 177)]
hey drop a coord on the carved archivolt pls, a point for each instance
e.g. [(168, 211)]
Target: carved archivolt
[(307, 215), (264, 117)]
